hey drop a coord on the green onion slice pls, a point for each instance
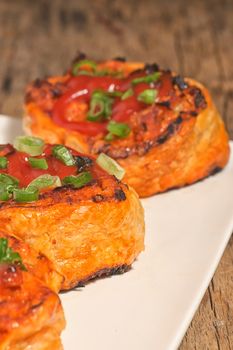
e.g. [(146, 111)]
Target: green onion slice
[(115, 93), (110, 165), (6, 180), (119, 129), (85, 72), (100, 106), (29, 144), (77, 67), (4, 195), (7, 185), (45, 181), (147, 78), (147, 96), (8, 255), (63, 154), (104, 72), (3, 162), (109, 137), (101, 73), (78, 181), (128, 93), (25, 194), (38, 163), (96, 110)]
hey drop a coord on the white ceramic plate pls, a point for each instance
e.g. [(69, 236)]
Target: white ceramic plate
[(150, 307)]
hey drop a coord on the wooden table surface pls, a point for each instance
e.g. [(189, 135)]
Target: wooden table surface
[(194, 38)]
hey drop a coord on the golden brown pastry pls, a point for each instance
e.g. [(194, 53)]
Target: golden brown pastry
[(31, 315), (64, 205), (164, 130)]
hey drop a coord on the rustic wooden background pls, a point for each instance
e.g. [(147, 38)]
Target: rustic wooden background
[(195, 38)]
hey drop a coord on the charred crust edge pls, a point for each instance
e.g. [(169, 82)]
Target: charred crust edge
[(180, 82), (144, 147), (37, 83), (64, 195), (79, 56), (166, 104), (119, 194), (106, 272), (119, 59), (199, 98), (151, 68), (214, 171), (171, 129), (83, 162)]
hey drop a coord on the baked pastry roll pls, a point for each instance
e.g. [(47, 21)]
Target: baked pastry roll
[(163, 129), (31, 316), (66, 206)]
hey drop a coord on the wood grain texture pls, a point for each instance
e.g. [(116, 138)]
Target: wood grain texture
[(195, 38)]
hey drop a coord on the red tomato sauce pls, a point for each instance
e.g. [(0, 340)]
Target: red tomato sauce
[(19, 167), (80, 89)]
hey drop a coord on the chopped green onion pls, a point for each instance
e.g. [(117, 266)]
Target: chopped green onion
[(6, 192), (147, 96), (110, 165), (26, 194), (7, 185), (146, 78), (6, 180), (85, 72), (96, 110), (4, 195), (78, 180), (115, 93), (119, 129), (38, 163), (76, 67), (29, 144), (126, 94), (100, 106), (63, 154), (8, 256), (108, 109), (101, 73), (3, 162), (45, 181), (109, 137), (10, 188), (104, 72)]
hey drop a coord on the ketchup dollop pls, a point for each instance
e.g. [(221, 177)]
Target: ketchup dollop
[(19, 167), (77, 100)]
